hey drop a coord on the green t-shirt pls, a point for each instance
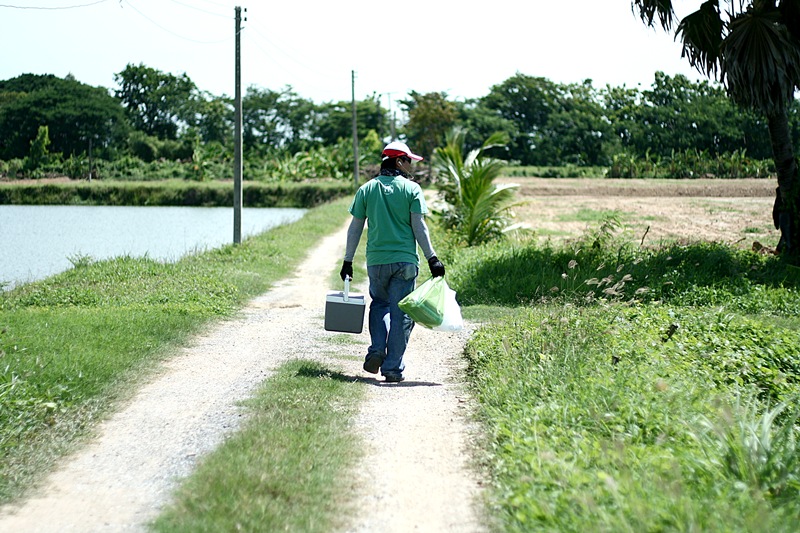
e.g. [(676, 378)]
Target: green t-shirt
[(387, 203)]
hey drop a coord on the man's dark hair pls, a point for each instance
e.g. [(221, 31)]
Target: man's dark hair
[(391, 162)]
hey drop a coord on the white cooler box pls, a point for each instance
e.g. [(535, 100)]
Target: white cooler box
[(344, 310)]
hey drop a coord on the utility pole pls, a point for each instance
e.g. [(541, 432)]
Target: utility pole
[(237, 137), (355, 128)]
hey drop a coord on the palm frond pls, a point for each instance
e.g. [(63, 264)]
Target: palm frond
[(761, 61), (477, 209), (496, 139), (701, 33), (790, 12), (649, 10)]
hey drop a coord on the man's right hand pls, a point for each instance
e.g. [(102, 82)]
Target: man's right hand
[(347, 270)]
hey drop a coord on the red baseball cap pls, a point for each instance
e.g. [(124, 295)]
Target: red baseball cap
[(398, 149)]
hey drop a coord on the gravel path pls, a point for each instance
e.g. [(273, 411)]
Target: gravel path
[(416, 476)]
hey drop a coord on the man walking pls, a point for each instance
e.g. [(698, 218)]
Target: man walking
[(395, 208)]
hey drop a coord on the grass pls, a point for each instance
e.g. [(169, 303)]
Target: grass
[(286, 470), (594, 422), (630, 389), (592, 215), (75, 344), (522, 272)]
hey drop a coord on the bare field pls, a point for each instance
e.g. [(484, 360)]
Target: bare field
[(736, 212)]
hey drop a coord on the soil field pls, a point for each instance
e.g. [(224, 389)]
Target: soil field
[(736, 212)]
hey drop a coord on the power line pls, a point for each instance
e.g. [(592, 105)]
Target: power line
[(200, 10), (281, 50), (172, 32), (54, 8), (311, 75), (311, 81), (215, 4)]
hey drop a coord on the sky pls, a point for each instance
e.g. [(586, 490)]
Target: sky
[(461, 48)]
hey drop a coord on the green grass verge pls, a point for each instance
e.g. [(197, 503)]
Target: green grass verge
[(74, 344), (599, 266), (607, 418), (286, 469), (631, 389)]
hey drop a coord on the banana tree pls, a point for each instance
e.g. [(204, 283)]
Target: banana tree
[(477, 209), (753, 48)]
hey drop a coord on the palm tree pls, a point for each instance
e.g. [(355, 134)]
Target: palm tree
[(477, 209), (753, 48)]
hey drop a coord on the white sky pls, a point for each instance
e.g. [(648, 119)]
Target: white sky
[(459, 47)]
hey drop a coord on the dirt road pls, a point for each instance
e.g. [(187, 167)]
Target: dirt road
[(416, 476)]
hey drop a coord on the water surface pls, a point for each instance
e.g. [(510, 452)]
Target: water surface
[(39, 241)]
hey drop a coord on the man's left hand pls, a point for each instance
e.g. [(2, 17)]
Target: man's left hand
[(436, 266)]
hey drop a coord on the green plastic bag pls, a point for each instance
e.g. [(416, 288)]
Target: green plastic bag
[(425, 304)]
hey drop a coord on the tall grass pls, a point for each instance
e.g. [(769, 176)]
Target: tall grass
[(595, 423), (632, 389), (73, 344), (600, 266)]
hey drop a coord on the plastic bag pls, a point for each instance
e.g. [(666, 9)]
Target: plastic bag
[(425, 304), (433, 305), (451, 319)]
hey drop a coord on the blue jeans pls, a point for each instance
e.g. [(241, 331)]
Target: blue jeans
[(388, 284)]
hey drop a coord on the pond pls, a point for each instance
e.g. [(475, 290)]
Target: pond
[(39, 241)]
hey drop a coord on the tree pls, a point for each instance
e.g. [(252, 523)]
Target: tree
[(38, 154), (479, 123), (276, 121), (430, 117), (334, 121), (216, 120), (754, 49), (677, 114), (526, 101), (157, 103), (555, 124), (577, 131), (74, 114)]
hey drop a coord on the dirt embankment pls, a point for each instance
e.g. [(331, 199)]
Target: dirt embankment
[(705, 188)]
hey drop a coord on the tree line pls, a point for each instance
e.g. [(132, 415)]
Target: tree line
[(154, 115)]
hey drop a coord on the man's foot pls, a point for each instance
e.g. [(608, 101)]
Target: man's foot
[(373, 363), (394, 378)]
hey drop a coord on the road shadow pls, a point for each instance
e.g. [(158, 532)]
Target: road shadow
[(381, 383), (318, 372)]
